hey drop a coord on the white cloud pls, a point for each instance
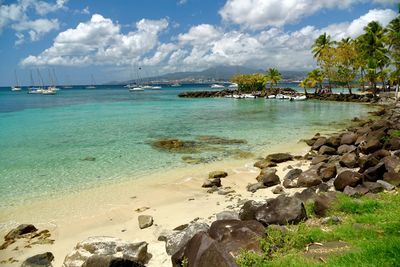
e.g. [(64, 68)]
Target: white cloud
[(36, 28), (16, 16), (258, 14), (182, 2), (100, 41)]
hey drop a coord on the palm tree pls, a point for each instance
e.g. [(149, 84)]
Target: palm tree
[(393, 40), (273, 76), (373, 49), (315, 79), (304, 84), (321, 43)]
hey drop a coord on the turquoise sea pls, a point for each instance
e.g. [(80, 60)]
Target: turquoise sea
[(44, 140)]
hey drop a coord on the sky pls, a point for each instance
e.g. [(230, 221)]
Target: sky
[(111, 39)]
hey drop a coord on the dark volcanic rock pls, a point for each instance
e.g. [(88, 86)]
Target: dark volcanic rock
[(375, 173), (343, 149), (318, 159), (348, 139), (327, 150), (309, 178), (393, 144), (349, 160), (327, 172), (22, 229), (40, 260), (109, 261), (366, 162), (355, 192), (370, 146), (392, 178), (254, 187), (237, 235), (248, 210), (320, 142), (293, 174), (333, 141), (373, 187), (347, 178), (322, 203), (380, 154), (268, 177), (279, 157), (262, 164), (217, 174), (392, 163), (281, 210), (212, 182), (306, 195), (203, 251)]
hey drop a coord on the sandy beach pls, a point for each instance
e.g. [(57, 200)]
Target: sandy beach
[(173, 198)]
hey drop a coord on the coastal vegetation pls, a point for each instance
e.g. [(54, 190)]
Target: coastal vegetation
[(257, 81)]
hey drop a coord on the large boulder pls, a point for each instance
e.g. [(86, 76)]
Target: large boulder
[(327, 172), (392, 163), (107, 246), (323, 202), (348, 139), (327, 150), (349, 160), (309, 178), (333, 141), (380, 154), (375, 173), (393, 143), (366, 162), (355, 192), (177, 239), (293, 174), (203, 251), (318, 143), (281, 210), (279, 157), (370, 146), (237, 235), (319, 159), (109, 261), (343, 149), (262, 164), (392, 178), (248, 210), (40, 260), (347, 178), (373, 187)]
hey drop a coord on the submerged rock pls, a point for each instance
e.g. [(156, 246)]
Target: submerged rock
[(216, 140)]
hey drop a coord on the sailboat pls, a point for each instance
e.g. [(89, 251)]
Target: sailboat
[(33, 89), (136, 87), (50, 90), (93, 84), (16, 87)]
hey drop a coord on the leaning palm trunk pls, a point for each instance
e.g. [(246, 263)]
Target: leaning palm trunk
[(397, 90)]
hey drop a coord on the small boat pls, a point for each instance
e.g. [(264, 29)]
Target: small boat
[(217, 86), (156, 88), (49, 91), (270, 97), (147, 87), (35, 90), (279, 96), (16, 87), (176, 85), (233, 86), (238, 96), (135, 89), (298, 98), (92, 85), (249, 96)]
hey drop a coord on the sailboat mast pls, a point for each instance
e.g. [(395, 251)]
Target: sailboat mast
[(16, 78)]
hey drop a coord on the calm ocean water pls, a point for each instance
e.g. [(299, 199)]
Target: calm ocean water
[(44, 139)]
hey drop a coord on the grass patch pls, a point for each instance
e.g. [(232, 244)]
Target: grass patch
[(371, 227)]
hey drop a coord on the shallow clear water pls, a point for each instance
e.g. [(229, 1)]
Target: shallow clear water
[(44, 139)]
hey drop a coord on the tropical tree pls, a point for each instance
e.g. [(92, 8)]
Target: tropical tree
[(249, 82), (393, 40), (315, 79), (272, 76), (372, 47), (345, 63), (320, 45), (323, 52)]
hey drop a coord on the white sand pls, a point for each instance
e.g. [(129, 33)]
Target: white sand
[(110, 210)]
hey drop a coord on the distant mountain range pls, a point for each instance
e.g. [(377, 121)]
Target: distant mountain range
[(219, 73)]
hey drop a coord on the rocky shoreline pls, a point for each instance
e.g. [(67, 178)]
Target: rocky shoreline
[(361, 160), (362, 98)]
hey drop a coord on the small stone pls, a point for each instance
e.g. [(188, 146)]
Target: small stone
[(145, 221), (331, 220), (387, 186), (217, 174), (278, 190), (212, 182)]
